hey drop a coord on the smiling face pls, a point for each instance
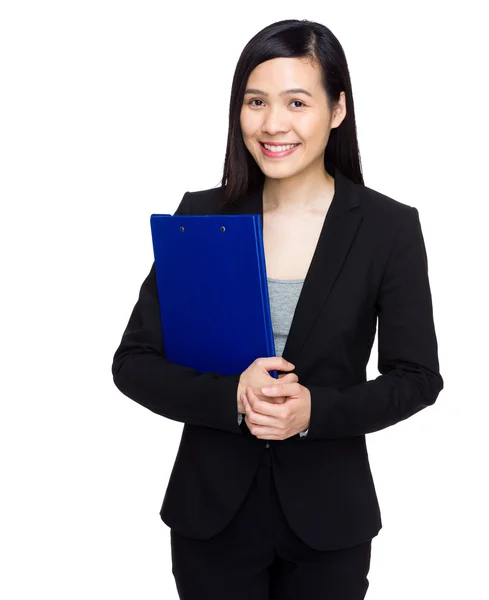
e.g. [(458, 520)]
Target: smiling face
[(285, 103)]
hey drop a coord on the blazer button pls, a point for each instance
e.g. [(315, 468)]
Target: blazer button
[(268, 445)]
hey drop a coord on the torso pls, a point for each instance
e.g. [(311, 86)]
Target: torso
[(290, 242)]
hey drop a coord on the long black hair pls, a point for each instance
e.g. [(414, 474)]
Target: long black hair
[(292, 38)]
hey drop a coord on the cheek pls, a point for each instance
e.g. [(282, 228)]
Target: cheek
[(248, 144), (250, 122), (246, 121), (314, 132)]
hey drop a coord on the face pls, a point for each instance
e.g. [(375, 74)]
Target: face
[(270, 113)]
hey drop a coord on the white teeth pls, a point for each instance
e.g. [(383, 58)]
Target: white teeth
[(279, 148)]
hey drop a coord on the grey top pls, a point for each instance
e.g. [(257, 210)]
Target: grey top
[(283, 294)]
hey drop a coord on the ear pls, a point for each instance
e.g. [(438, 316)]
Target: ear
[(339, 112)]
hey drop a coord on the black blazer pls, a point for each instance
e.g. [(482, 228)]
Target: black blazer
[(370, 263)]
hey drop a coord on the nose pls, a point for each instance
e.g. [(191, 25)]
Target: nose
[(275, 122)]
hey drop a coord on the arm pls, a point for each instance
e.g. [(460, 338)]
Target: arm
[(141, 371), (407, 345)]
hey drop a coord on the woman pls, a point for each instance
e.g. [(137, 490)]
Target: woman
[(271, 494)]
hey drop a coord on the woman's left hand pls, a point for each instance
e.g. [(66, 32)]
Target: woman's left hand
[(269, 421)]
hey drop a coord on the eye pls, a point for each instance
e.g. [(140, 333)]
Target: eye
[(258, 100)]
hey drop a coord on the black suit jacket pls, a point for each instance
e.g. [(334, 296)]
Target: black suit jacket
[(370, 263)]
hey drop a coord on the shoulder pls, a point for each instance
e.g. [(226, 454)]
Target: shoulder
[(380, 206), (384, 217), (203, 201)]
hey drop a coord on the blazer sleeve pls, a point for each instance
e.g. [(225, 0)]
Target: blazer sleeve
[(142, 372), (408, 355)]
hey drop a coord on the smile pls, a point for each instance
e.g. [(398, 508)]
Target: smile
[(284, 150)]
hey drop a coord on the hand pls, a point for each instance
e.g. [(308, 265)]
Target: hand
[(257, 376), (267, 421)]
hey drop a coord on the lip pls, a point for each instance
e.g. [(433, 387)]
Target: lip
[(277, 143), (277, 154)]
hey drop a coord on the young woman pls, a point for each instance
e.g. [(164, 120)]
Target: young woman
[(271, 494)]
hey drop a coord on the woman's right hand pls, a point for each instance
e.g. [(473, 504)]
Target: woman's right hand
[(256, 376)]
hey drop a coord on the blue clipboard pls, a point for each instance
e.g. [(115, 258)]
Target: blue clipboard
[(212, 290)]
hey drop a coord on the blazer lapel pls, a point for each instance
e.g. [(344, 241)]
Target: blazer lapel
[(337, 234)]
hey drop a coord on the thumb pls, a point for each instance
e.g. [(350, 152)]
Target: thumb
[(277, 363), (289, 377)]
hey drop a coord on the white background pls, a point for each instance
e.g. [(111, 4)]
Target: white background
[(111, 111)]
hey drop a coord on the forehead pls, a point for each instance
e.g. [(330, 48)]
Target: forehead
[(278, 74)]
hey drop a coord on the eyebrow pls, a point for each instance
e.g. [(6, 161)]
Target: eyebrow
[(285, 92)]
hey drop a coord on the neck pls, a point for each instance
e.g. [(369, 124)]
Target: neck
[(297, 195)]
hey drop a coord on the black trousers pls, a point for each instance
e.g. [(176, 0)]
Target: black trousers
[(257, 556)]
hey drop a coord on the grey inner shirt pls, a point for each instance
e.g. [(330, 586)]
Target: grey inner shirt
[(283, 294)]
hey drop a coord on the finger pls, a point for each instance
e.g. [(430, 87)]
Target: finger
[(270, 399), (271, 363), (262, 407), (261, 425), (265, 433), (282, 389), (291, 378)]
